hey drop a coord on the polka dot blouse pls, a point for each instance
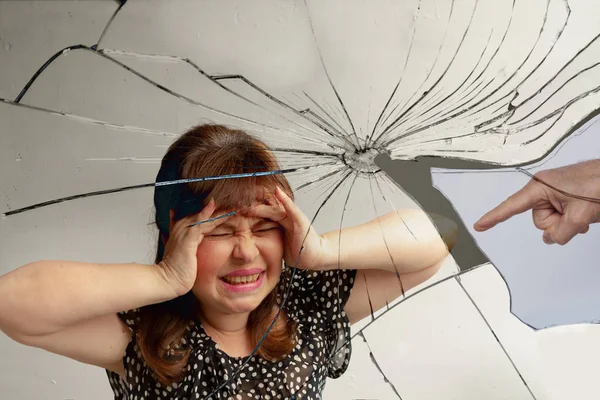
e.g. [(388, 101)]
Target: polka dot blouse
[(315, 303)]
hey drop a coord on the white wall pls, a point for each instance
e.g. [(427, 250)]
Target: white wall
[(432, 345)]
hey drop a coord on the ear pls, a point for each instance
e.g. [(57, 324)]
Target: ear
[(171, 217), (164, 237)]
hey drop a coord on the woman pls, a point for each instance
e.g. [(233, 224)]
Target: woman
[(184, 327)]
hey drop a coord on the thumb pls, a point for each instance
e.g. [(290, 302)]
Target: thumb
[(574, 221)]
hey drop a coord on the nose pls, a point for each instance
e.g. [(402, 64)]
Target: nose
[(245, 249)]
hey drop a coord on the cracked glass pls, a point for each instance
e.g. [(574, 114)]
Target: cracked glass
[(356, 100)]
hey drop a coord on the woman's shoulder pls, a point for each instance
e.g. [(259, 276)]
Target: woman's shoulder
[(316, 299), (306, 286)]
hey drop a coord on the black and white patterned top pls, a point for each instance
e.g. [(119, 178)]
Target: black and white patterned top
[(322, 351)]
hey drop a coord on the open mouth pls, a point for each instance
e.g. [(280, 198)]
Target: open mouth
[(241, 280)]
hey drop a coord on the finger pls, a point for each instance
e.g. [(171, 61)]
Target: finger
[(575, 220), (545, 218), (272, 201), (517, 203), (547, 238), (192, 228), (273, 212), (293, 212), (206, 218), (208, 210), (213, 221), (194, 219), (285, 200)]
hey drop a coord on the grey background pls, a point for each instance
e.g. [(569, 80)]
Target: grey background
[(415, 179), (549, 285), (435, 345)]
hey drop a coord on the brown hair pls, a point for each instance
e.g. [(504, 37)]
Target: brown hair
[(208, 150)]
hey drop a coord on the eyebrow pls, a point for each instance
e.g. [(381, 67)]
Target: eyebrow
[(260, 221)]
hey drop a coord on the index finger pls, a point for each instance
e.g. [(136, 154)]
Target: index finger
[(213, 219), (273, 212), (517, 203)]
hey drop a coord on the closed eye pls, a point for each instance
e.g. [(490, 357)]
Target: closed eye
[(219, 234), (267, 228)]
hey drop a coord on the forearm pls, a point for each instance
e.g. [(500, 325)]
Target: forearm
[(405, 241), (47, 296)]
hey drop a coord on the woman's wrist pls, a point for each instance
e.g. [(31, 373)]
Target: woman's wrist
[(329, 257), (169, 283)]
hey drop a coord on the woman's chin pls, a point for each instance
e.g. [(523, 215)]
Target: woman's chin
[(245, 306)]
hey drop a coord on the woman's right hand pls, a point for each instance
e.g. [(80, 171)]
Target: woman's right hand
[(179, 264)]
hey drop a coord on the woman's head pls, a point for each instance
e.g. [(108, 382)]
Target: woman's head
[(213, 151), (241, 245)]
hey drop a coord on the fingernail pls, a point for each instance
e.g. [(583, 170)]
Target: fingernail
[(478, 226)]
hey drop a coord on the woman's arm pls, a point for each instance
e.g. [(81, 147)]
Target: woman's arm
[(70, 308), (413, 251), (391, 254), (45, 297), (375, 289), (405, 241)]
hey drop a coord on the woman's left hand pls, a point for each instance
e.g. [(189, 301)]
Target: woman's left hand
[(282, 209)]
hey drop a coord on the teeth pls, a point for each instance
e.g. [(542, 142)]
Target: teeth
[(239, 280)]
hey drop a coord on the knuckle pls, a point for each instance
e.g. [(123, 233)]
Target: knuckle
[(582, 216), (539, 225), (559, 237)]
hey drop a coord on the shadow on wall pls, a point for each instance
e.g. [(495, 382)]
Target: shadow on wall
[(414, 177)]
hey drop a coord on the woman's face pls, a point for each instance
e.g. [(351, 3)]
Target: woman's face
[(239, 264)]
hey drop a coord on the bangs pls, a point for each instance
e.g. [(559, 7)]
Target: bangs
[(235, 193), (238, 192)]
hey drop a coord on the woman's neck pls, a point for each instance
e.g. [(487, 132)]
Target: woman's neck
[(229, 331)]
